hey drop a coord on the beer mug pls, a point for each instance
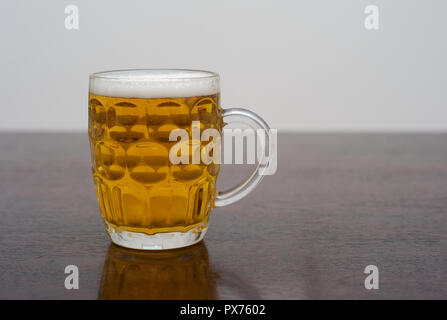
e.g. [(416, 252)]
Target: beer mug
[(148, 198)]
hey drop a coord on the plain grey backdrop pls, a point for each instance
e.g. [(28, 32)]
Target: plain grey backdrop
[(302, 65)]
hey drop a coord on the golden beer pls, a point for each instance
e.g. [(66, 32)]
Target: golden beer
[(138, 189)]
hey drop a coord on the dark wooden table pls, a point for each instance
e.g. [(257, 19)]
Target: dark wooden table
[(338, 203)]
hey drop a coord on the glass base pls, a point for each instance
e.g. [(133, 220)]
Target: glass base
[(159, 241)]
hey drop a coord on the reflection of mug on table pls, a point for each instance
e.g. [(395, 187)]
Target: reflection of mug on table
[(177, 274)]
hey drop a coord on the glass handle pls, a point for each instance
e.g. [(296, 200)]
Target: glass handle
[(239, 115)]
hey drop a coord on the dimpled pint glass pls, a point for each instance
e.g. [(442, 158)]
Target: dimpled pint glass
[(146, 200)]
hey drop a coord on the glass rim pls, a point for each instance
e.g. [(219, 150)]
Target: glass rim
[(120, 74)]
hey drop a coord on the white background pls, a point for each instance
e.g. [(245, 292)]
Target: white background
[(302, 65)]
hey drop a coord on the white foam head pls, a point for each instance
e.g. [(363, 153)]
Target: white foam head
[(154, 83)]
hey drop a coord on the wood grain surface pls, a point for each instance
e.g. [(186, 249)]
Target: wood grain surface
[(338, 203)]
